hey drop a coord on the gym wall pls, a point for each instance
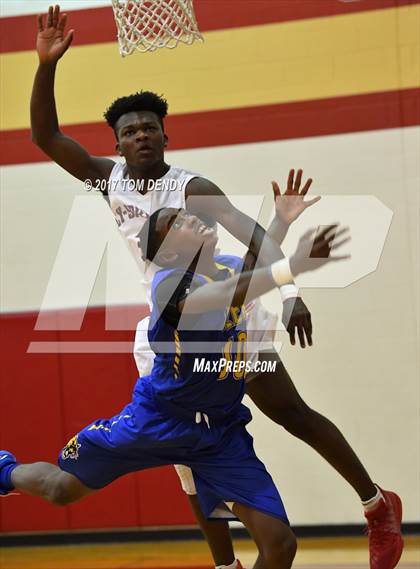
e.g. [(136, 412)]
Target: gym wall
[(322, 85)]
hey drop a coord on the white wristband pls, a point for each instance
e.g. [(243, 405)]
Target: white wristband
[(288, 291), (280, 271)]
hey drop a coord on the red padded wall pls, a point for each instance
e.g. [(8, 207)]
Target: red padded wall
[(47, 398)]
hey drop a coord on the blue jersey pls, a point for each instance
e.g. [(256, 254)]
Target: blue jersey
[(163, 422), (199, 380)]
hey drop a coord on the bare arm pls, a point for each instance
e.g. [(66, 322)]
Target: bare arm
[(205, 197), (310, 255), (231, 292), (51, 45), (290, 205)]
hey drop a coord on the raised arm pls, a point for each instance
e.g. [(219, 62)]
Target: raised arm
[(204, 196), (290, 205), (52, 43), (310, 255)]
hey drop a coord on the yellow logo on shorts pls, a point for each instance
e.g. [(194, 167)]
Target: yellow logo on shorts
[(70, 450)]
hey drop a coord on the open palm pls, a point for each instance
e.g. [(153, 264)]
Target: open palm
[(292, 203), (314, 249), (51, 43)]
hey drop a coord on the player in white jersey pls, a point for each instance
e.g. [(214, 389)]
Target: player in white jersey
[(138, 125), (131, 209)]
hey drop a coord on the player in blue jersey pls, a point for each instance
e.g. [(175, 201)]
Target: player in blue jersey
[(179, 415), (138, 122)]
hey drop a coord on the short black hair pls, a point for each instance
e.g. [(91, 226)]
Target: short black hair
[(149, 242), (140, 101)]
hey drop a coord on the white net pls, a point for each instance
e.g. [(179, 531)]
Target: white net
[(147, 25)]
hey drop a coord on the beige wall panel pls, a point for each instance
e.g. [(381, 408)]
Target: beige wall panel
[(363, 369)]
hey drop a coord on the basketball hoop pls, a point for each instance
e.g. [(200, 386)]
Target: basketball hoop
[(147, 25)]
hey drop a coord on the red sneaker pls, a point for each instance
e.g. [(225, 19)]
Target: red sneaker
[(384, 530)]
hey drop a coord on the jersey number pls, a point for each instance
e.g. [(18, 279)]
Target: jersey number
[(234, 359)]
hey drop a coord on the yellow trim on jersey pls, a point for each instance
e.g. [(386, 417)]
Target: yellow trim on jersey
[(221, 267), (177, 357), (235, 313), (99, 427)]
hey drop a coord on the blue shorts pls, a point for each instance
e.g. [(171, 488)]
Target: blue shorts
[(144, 435)]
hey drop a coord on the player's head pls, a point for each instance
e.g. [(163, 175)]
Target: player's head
[(137, 121), (172, 237)]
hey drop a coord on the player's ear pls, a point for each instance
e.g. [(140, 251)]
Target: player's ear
[(165, 258), (165, 140), (118, 149)]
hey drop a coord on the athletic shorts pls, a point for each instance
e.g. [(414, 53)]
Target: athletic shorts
[(143, 435)]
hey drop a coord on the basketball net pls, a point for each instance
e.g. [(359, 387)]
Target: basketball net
[(147, 25)]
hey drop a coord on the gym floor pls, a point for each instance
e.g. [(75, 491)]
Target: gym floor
[(340, 553)]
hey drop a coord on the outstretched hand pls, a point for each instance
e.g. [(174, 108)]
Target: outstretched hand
[(311, 253), (51, 43), (292, 203), (313, 250)]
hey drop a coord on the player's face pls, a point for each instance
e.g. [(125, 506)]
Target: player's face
[(183, 234), (141, 139)]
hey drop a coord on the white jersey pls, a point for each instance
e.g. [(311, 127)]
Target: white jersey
[(132, 208)]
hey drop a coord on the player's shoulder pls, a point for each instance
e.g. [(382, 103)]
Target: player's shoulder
[(118, 171), (166, 276), (230, 261), (200, 186), (175, 171), (162, 275)]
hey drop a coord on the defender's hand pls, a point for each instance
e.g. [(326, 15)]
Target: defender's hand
[(313, 250), (51, 43), (310, 254), (291, 204), (296, 317)]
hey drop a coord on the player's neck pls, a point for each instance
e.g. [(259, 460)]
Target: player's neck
[(153, 172), (203, 263), (206, 265)]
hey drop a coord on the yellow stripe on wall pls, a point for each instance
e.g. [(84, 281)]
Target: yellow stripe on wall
[(259, 65)]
